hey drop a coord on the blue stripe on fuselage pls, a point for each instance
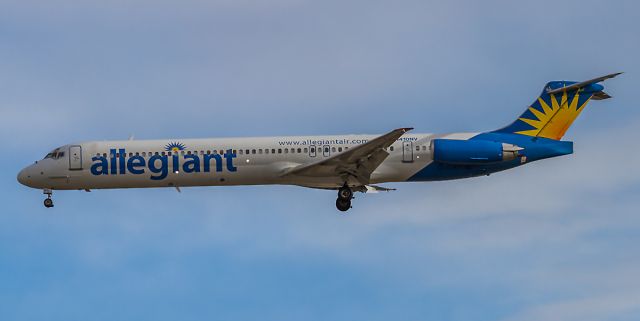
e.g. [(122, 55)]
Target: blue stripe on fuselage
[(534, 149)]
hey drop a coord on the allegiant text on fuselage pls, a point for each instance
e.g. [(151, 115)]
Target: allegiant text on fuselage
[(159, 165)]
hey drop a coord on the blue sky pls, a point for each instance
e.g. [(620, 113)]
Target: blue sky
[(554, 240)]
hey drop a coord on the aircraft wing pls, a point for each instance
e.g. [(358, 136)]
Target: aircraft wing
[(357, 162)]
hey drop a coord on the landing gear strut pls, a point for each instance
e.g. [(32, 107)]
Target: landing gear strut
[(48, 202), (345, 194)]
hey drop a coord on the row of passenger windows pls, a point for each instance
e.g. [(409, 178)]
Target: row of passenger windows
[(259, 151), (292, 150), (241, 151)]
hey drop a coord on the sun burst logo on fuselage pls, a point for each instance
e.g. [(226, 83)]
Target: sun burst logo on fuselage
[(174, 147)]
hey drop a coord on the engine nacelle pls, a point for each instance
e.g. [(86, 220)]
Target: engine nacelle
[(472, 152)]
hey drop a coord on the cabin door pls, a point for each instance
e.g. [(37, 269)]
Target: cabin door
[(75, 157)]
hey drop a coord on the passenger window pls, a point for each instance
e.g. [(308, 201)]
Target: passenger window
[(340, 149), (424, 148), (333, 149), (286, 150), (253, 151), (306, 150), (299, 150), (417, 148), (391, 148), (326, 149), (266, 151), (241, 152), (279, 150), (273, 151), (313, 149), (260, 151)]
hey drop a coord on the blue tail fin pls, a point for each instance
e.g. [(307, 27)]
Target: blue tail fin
[(559, 104)]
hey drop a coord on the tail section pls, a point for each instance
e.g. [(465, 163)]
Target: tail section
[(559, 104)]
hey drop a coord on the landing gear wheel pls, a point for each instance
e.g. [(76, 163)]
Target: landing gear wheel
[(345, 193), (48, 202), (343, 205)]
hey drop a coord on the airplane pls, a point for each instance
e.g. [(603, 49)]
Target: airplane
[(345, 163)]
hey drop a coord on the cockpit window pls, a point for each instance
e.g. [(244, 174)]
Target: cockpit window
[(55, 154)]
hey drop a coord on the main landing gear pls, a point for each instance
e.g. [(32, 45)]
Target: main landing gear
[(345, 194), (48, 202)]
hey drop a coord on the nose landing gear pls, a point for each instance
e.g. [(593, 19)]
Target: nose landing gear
[(345, 194), (48, 202)]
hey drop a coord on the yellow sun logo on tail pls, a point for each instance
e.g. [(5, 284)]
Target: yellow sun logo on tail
[(554, 117)]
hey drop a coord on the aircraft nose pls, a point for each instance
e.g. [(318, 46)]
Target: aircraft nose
[(24, 177)]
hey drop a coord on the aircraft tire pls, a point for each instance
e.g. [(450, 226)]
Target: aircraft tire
[(343, 205)]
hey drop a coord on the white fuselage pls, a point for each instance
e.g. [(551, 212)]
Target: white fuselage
[(217, 162)]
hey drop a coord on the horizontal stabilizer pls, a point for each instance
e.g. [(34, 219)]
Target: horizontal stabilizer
[(601, 95), (583, 84)]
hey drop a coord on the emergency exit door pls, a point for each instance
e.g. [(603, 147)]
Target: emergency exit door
[(312, 151), (75, 157), (407, 152)]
